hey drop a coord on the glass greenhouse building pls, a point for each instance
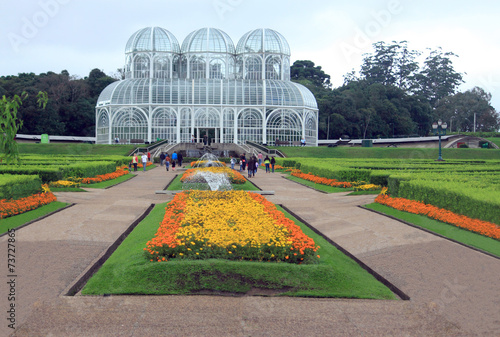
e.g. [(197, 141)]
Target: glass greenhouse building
[(206, 86)]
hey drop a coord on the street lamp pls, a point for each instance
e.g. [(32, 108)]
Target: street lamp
[(439, 129)]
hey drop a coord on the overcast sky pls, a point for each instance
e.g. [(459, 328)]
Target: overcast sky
[(80, 35)]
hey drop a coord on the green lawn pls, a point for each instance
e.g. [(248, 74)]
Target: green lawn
[(108, 183), (75, 148), (458, 234), (19, 220), (385, 152), (127, 271)]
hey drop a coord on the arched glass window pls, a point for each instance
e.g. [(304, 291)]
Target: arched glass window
[(102, 130), (164, 124), (217, 69), (253, 68), (228, 125), (161, 67), (141, 66), (311, 128), (197, 67), (250, 126), (185, 126), (206, 118), (130, 123), (273, 68), (284, 125)]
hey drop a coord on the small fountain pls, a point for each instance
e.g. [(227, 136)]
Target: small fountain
[(203, 179)]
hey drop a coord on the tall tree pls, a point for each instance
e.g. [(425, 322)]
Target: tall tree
[(390, 64), (439, 78), (306, 70), (461, 109)]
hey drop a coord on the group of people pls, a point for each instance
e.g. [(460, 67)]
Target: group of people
[(253, 163), (168, 161), (145, 157)]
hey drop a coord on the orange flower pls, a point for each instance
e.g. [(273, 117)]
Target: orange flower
[(482, 227), (320, 180)]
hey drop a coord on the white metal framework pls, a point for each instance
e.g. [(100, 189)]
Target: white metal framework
[(207, 85)]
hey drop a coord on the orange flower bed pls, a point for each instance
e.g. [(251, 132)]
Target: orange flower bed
[(214, 224), (320, 180), (300, 241), (14, 207), (108, 176), (474, 225)]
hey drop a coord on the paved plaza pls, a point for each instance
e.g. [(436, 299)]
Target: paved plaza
[(453, 290)]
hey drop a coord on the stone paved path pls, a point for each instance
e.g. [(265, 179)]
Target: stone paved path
[(453, 289)]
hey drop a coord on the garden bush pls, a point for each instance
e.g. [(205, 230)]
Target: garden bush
[(19, 186)]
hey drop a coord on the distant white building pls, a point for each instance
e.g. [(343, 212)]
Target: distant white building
[(207, 86)]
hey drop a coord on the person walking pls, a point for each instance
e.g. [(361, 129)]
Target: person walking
[(162, 158), (233, 161), (243, 162), (149, 156), (267, 162), (302, 141), (144, 161), (167, 161), (260, 158), (179, 159), (251, 166), (135, 161), (255, 165), (273, 162), (174, 158)]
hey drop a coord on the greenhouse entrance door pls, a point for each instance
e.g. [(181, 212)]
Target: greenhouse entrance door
[(213, 135)]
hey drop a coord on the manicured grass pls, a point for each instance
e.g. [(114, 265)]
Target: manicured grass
[(107, 183), (75, 148), (66, 189), (127, 271), (458, 234), (495, 140), (176, 185), (388, 153), (319, 187), (19, 220), (364, 192)]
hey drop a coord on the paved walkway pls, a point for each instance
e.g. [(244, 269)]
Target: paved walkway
[(453, 289)]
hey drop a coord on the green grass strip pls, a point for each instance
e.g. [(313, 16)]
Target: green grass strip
[(455, 233), (108, 183), (21, 219), (128, 272), (66, 189), (319, 187), (176, 185)]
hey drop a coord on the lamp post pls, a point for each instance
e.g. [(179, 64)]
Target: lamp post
[(439, 129)]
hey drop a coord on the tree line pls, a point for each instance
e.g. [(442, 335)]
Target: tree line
[(70, 108), (393, 94)]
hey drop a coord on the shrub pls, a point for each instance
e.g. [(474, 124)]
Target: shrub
[(17, 186)]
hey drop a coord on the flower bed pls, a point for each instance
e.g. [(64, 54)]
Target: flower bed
[(319, 180), (482, 227), (234, 176), (64, 184), (14, 207), (232, 225), (203, 162), (121, 171)]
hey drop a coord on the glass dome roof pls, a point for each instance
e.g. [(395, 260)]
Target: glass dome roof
[(207, 92), (152, 39), (263, 40), (209, 40)]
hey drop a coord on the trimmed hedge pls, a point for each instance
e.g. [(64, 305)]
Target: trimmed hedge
[(19, 186), (45, 172), (478, 204)]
